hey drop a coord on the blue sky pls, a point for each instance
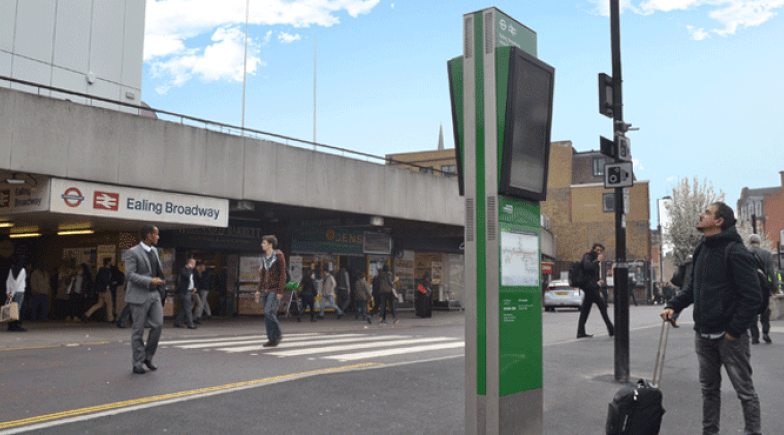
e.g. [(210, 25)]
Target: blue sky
[(702, 78)]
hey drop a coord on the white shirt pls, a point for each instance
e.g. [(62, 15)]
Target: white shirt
[(14, 286)]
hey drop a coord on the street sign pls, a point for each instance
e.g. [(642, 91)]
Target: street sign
[(606, 147), (623, 148), (618, 175)]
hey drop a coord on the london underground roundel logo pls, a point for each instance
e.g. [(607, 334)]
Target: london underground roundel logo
[(72, 197)]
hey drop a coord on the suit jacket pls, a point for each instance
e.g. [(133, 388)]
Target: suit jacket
[(184, 280), (138, 274)]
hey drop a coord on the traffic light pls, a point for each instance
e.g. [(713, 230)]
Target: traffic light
[(605, 95)]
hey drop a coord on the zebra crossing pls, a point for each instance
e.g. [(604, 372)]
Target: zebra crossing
[(339, 347)]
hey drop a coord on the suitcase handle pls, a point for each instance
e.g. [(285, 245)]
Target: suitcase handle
[(658, 366)]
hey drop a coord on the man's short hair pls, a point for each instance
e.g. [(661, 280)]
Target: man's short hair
[(598, 244), (106, 261), (147, 229), (272, 240), (723, 211)]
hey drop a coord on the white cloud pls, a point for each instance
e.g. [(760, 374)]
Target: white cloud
[(698, 34), (172, 26), (287, 38), (729, 14)]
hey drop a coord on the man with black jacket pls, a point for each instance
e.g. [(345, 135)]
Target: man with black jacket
[(767, 275), (725, 291), (590, 264)]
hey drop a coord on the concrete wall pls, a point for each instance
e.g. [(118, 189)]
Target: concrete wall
[(58, 138), (94, 47)]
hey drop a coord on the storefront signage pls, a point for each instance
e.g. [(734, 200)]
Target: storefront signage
[(377, 243), (92, 199), (16, 199), (328, 241)]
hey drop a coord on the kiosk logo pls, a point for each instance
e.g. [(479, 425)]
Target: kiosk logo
[(72, 197), (106, 201)]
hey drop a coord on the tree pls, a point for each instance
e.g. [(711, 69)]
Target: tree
[(688, 202)]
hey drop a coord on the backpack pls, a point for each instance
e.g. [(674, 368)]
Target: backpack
[(577, 275), (763, 279)]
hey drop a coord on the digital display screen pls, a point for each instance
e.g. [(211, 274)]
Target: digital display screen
[(526, 145)]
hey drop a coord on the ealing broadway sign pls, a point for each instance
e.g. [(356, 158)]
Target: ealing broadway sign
[(93, 199)]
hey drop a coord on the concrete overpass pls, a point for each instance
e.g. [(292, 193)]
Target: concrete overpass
[(56, 138)]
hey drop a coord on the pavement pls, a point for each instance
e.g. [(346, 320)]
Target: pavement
[(579, 378)]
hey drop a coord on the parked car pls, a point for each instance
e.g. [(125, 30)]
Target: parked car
[(559, 294)]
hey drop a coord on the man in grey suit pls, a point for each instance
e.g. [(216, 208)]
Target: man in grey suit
[(144, 276)]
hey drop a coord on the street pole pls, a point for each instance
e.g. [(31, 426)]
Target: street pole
[(621, 273)]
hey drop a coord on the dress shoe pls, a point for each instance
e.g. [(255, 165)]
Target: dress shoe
[(767, 339), (584, 335), (192, 327), (138, 371), (150, 365), (755, 341)]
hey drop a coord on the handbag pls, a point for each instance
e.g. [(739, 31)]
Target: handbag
[(9, 312)]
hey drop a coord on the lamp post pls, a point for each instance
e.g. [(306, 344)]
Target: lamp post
[(661, 237)]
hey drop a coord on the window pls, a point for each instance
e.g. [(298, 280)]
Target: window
[(426, 170), (598, 166), (449, 170), (609, 202)]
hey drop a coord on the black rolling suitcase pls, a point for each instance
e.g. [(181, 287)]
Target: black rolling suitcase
[(637, 409)]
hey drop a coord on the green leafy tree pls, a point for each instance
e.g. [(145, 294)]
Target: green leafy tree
[(689, 200)]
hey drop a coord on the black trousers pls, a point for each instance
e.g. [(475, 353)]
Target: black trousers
[(764, 318), (592, 297), (307, 301)]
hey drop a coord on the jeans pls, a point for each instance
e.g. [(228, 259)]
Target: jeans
[(735, 356), (205, 306), (331, 301), (269, 300)]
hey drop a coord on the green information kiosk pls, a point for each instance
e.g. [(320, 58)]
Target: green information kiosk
[(502, 108)]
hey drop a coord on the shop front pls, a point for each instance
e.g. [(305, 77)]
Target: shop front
[(67, 228)]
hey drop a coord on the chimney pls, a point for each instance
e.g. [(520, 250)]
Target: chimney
[(782, 178)]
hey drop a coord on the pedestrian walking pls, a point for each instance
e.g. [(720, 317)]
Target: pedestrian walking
[(144, 274), (766, 272), (185, 290), (40, 291), (725, 291), (362, 294), (590, 264), (388, 294), (328, 295), (204, 285), (102, 287), (272, 281), (15, 290), (307, 294)]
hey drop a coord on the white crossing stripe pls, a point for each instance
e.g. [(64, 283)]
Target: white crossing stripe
[(331, 349), (325, 340), (396, 351), (257, 341), (246, 337)]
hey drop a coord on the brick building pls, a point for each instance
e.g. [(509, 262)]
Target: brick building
[(582, 211), (767, 207)]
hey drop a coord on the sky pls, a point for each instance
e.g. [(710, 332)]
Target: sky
[(702, 79)]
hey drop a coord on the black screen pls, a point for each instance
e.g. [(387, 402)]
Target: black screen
[(526, 146)]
